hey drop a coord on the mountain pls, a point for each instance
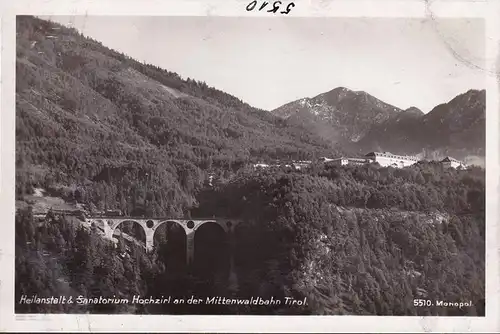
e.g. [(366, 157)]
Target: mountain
[(340, 115), (455, 128), (360, 123), (86, 114)]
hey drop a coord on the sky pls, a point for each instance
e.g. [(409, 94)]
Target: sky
[(268, 62)]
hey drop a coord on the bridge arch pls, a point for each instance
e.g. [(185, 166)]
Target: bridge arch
[(211, 244), (129, 228), (205, 222), (170, 241), (170, 222), (99, 223), (210, 224)]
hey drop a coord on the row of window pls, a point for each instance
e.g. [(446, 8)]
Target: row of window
[(394, 156)]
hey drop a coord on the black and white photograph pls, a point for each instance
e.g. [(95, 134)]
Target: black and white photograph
[(263, 166)]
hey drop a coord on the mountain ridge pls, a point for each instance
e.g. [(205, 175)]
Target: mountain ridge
[(455, 127), (334, 108)]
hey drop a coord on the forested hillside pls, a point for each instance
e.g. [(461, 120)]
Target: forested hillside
[(364, 240), (353, 240), (123, 134)]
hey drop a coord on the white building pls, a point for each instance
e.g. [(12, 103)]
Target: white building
[(449, 162), (342, 161), (386, 159), (338, 161), (300, 164)]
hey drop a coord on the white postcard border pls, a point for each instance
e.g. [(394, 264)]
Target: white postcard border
[(340, 8)]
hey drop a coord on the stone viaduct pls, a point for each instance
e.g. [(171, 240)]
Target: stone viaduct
[(150, 225)]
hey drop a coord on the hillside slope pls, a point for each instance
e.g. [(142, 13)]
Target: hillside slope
[(88, 115)]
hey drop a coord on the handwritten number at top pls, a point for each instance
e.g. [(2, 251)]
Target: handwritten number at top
[(255, 5)]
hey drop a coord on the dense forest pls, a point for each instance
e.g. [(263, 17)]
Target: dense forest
[(97, 128), (335, 235)]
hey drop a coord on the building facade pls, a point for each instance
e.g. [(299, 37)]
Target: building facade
[(350, 161), (338, 161), (298, 165), (386, 159)]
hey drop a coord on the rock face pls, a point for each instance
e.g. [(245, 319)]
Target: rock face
[(362, 123)]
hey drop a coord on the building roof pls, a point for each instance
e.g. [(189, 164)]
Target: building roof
[(450, 159)]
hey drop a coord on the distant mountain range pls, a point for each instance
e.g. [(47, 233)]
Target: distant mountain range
[(360, 122)]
